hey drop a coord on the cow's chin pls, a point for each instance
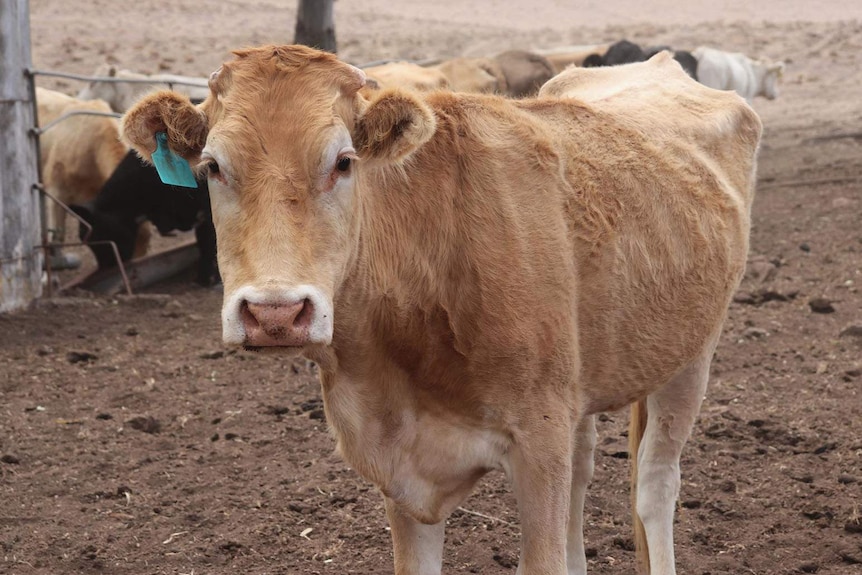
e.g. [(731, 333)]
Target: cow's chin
[(288, 350), (316, 352)]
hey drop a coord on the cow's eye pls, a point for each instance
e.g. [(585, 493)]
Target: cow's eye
[(213, 168), (343, 164)]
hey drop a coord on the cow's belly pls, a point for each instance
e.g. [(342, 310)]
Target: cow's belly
[(427, 463)]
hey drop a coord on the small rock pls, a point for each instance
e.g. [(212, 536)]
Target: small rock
[(760, 269), (147, 424), (851, 556), (821, 305), (80, 357), (851, 331), (809, 567), (805, 247), (317, 414), (851, 374), (755, 333), (10, 459), (297, 507)]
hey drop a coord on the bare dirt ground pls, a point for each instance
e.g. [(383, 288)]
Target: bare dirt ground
[(132, 443)]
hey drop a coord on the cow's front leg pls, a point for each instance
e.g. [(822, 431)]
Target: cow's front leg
[(541, 464), (418, 547), (582, 474)]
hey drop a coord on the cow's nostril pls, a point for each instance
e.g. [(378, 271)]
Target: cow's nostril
[(248, 318), (303, 318)]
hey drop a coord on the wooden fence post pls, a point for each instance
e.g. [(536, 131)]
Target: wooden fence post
[(20, 223), (315, 25)]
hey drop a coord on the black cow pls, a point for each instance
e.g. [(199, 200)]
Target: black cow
[(135, 193), (625, 52)]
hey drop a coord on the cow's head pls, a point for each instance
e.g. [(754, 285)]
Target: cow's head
[(285, 138), (772, 73)]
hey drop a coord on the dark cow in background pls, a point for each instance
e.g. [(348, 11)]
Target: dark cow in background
[(626, 52), (134, 193)]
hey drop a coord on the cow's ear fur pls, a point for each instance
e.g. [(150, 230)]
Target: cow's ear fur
[(393, 126), (166, 111)]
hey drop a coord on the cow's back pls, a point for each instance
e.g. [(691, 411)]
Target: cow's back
[(662, 174), (79, 153)]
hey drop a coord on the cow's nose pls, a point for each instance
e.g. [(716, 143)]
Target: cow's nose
[(277, 324)]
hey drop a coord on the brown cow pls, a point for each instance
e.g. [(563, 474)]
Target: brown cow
[(477, 276), (407, 75), (525, 72), (476, 75)]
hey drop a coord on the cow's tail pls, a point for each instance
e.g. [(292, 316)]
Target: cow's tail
[(637, 426)]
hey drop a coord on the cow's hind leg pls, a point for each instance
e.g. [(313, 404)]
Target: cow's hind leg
[(418, 548), (671, 414), (582, 474)]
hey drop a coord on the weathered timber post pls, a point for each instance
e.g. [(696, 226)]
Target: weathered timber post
[(20, 224), (315, 25)]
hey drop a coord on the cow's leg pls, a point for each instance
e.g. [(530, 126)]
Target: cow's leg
[(671, 414), (541, 467), (418, 548), (582, 474)]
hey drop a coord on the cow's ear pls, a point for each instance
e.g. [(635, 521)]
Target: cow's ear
[(393, 126), (166, 111)]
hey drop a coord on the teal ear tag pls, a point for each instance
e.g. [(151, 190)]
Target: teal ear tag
[(173, 170)]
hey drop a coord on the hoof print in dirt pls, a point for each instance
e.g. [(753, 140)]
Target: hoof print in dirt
[(821, 305), (232, 548), (762, 296), (147, 424), (506, 560), (80, 357)]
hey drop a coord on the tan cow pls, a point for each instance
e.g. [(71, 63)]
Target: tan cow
[(78, 155), (525, 72), (476, 75), (477, 276), (407, 75)]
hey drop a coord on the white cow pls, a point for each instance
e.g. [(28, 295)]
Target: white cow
[(736, 71), (121, 96)]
